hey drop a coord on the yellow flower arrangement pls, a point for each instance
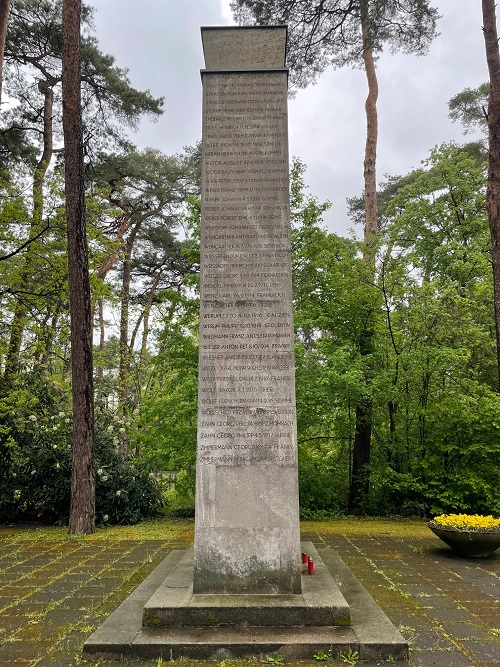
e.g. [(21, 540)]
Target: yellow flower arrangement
[(474, 522)]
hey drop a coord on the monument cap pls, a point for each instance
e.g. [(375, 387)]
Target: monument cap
[(229, 48)]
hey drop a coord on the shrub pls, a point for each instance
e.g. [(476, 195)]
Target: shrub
[(323, 487), (180, 496), (37, 461)]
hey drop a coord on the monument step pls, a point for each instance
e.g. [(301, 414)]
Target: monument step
[(371, 633), (242, 642), (174, 605)]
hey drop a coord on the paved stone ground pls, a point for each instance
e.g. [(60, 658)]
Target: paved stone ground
[(449, 607), (55, 590)]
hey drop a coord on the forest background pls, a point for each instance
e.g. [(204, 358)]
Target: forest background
[(430, 377)]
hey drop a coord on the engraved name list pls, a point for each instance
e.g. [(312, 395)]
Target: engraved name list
[(246, 378)]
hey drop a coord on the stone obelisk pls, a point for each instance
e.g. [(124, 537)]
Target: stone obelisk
[(244, 596), (247, 516)]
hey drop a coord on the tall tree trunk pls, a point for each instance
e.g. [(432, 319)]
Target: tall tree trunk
[(145, 333), (370, 161), (125, 353), (147, 312), (4, 21), (135, 331), (49, 338), (102, 341), (110, 260), (493, 186), (362, 440), (82, 510), (46, 335), (19, 319), (45, 87)]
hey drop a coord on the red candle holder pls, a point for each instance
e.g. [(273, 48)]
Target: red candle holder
[(304, 558), (310, 565)]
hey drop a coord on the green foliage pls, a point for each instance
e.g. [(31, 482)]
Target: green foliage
[(125, 188), (330, 306), (434, 391), (350, 658), (166, 434), (436, 432), (321, 656), (126, 492), (470, 107), (35, 453), (323, 475)]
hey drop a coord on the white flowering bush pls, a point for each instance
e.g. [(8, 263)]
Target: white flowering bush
[(35, 459), (32, 461)]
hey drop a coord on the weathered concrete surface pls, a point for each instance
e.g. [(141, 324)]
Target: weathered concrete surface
[(174, 605), (224, 643), (247, 516), (231, 635), (261, 48), (375, 633)]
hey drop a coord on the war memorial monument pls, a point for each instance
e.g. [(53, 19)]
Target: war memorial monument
[(242, 590)]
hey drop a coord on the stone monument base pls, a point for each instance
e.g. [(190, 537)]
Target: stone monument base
[(163, 618)]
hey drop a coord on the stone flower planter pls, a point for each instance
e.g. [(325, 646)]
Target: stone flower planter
[(469, 543)]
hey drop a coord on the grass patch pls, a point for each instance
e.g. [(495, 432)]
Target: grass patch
[(158, 529), (371, 527)]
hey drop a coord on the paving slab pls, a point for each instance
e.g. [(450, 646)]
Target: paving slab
[(480, 650), (124, 624), (376, 634), (440, 659), (427, 639)]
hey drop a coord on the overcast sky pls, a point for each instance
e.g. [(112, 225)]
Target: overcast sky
[(159, 42)]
